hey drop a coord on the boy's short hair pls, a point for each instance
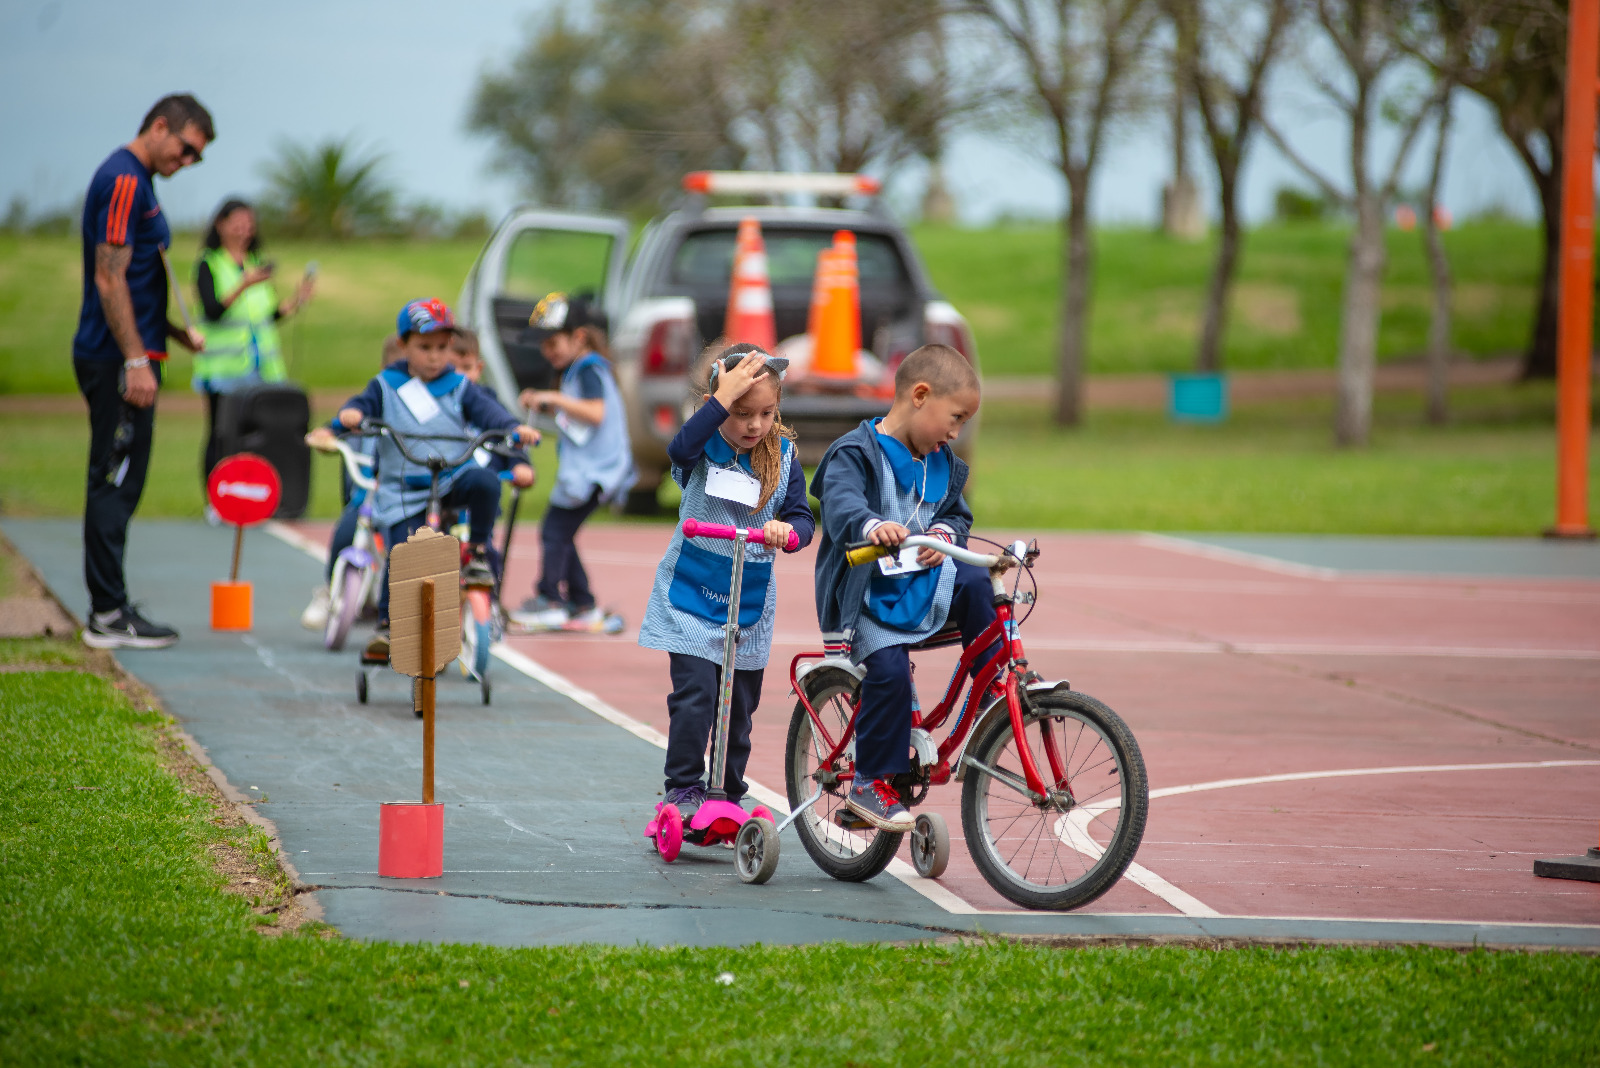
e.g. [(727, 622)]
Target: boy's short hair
[(391, 349), (465, 341), (944, 369)]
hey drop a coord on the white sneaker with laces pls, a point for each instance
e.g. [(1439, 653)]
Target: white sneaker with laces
[(315, 617), (591, 620)]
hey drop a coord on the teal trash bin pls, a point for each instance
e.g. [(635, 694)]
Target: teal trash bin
[(1199, 398)]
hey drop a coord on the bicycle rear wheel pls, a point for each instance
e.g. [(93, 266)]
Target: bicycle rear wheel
[(342, 611), (1063, 852), (851, 854)]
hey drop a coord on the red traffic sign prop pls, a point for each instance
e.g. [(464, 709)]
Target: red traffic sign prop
[(243, 490)]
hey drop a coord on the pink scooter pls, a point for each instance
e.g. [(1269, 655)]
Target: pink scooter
[(754, 834)]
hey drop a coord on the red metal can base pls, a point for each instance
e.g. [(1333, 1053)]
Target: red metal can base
[(230, 606), (410, 840)]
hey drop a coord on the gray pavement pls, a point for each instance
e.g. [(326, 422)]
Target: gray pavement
[(546, 801)]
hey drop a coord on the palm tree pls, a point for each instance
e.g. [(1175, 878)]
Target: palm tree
[(331, 189)]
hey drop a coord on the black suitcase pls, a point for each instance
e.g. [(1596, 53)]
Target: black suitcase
[(271, 419)]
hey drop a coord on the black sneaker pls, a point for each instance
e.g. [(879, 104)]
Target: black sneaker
[(126, 628), (878, 803), (476, 571)]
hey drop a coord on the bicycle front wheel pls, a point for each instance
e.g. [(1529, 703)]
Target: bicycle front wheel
[(1067, 850), (852, 853), (342, 610)]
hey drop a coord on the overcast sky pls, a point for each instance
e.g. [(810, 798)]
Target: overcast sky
[(77, 75)]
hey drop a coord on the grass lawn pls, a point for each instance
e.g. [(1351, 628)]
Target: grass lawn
[(1147, 298), (1271, 467), (121, 948)]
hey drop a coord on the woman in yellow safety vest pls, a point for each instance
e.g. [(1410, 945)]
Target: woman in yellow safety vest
[(240, 313)]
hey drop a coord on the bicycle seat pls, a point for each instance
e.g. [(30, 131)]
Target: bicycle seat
[(949, 634)]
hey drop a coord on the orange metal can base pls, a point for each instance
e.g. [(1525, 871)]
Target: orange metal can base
[(410, 840), (230, 606)]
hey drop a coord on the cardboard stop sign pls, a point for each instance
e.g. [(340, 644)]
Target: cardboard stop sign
[(244, 489)]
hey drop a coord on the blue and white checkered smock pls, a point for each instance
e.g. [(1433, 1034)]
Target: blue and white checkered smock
[(898, 506), (672, 630)]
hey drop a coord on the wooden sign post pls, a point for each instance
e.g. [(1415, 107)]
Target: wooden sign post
[(424, 636)]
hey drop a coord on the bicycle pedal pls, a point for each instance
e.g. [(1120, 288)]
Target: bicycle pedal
[(850, 821)]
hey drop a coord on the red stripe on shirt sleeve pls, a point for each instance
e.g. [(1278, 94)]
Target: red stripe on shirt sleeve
[(121, 205)]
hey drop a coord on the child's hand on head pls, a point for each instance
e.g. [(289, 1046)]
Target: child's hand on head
[(776, 533), (890, 534), (350, 418), (736, 382)]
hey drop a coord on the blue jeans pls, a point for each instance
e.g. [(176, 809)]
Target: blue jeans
[(883, 727)]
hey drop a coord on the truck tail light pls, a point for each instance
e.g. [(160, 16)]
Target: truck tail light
[(668, 347), (943, 325)]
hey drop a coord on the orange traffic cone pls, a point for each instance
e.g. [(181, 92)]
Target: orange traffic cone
[(749, 292), (837, 333)]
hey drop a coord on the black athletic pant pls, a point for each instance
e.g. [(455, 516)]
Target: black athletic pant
[(692, 715), (211, 450), (109, 507), (560, 564)]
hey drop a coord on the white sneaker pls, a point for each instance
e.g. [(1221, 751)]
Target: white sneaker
[(537, 613), (592, 620), (315, 617)]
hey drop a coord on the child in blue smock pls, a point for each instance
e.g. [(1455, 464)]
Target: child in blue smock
[(737, 465), (883, 481), (596, 458)]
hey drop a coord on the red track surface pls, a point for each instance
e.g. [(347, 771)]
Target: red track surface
[(1226, 670)]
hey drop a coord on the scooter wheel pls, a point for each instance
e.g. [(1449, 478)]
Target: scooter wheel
[(930, 845), (755, 850), (762, 812), (669, 833), (361, 686)]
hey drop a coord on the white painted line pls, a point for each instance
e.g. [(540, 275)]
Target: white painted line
[(1234, 556), (294, 539), (1407, 769)]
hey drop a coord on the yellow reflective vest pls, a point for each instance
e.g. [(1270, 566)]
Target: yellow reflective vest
[(242, 347)]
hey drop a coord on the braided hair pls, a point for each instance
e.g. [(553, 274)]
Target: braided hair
[(766, 456)]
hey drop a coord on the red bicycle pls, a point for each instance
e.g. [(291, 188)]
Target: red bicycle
[(1054, 793)]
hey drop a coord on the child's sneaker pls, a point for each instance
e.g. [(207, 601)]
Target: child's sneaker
[(590, 619), (476, 571), (688, 799), (377, 650), (315, 617), (878, 803), (541, 612)]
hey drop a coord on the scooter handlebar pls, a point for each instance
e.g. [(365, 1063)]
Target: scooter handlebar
[(693, 528)]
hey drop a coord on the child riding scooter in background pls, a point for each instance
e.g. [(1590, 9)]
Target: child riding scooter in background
[(594, 453), (421, 394), (737, 465)]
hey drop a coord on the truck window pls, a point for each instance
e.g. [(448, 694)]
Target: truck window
[(552, 261), (705, 259)]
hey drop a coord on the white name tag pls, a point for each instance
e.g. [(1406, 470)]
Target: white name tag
[(732, 484), (420, 402), (577, 431), (902, 563)]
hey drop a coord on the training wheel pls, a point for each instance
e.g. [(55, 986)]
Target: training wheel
[(416, 697), (361, 686), (669, 832), (930, 845), (755, 850)]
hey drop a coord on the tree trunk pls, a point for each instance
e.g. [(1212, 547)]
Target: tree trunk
[(1215, 328), (1439, 268), (1358, 328), (1076, 256), (1540, 359)]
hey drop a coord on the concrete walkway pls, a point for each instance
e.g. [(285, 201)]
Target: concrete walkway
[(546, 799)]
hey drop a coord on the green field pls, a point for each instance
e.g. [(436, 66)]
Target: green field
[(120, 947), (1146, 312)]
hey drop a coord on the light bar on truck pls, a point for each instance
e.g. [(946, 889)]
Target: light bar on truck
[(755, 182)]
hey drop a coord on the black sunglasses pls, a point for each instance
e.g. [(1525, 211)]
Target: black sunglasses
[(190, 153)]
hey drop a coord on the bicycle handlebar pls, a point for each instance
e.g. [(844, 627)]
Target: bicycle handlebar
[(358, 466), (374, 426), (865, 552), (693, 528)]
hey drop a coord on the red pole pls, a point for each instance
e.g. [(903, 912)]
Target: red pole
[(1574, 335)]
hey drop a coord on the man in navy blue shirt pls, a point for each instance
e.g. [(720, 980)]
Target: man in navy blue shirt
[(117, 351)]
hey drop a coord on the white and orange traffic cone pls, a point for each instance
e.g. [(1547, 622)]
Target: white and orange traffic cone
[(750, 291), (836, 331)]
